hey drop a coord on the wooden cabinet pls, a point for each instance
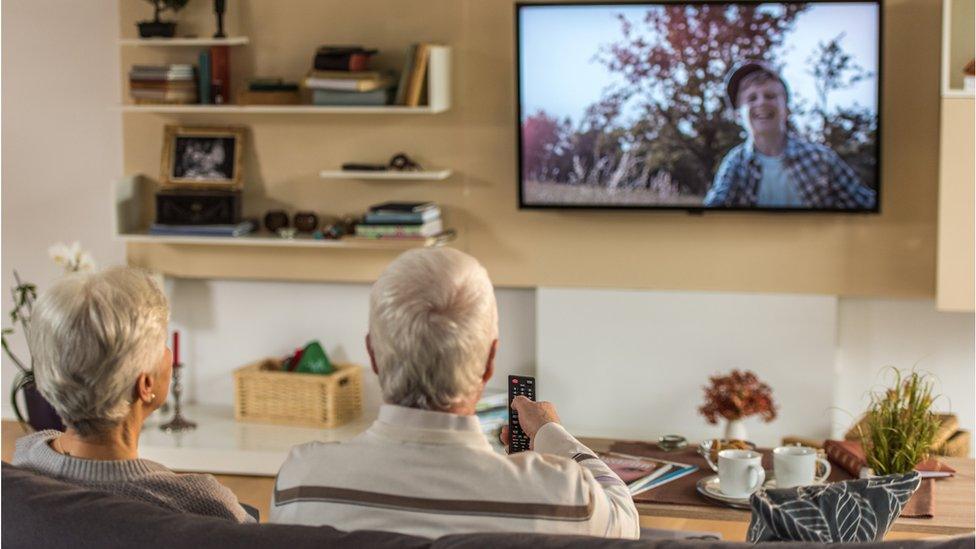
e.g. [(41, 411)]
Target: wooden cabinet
[(957, 164)]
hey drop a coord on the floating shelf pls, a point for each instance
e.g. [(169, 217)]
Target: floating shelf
[(300, 241), (277, 109), (388, 175), (184, 42), (956, 94)]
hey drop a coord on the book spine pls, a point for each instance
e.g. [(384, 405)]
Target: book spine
[(401, 92), (417, 75), (220, 74), (203, 78)]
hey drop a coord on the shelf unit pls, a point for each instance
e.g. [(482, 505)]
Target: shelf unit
[(955, 269), (132, 193), (184, 42), (438, 96), (389, 175), (957, 46)]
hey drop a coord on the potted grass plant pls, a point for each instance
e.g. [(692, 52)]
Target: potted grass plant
[(899, 425)]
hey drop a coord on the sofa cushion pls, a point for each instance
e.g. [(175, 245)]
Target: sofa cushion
[(850, 511), (41, 512)]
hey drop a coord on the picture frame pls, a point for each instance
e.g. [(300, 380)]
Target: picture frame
[(203, 157)]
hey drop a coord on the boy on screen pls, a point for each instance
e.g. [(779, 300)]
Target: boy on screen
[(774, 168)]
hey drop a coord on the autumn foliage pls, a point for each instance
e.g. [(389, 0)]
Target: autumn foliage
[(736, 396)]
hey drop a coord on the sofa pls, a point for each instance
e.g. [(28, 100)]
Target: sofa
[(37, 512)]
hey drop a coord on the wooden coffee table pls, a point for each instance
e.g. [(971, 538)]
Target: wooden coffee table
[(955, 503)]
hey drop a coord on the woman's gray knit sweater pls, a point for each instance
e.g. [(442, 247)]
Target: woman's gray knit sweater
[(136, 478)]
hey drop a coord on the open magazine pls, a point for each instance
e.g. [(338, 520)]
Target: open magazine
[(643, 473)]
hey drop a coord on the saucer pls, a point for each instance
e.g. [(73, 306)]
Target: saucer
[(770, 483), (709, 487)]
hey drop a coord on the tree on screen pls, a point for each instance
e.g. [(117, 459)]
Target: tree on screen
[(851, 131), (675, 66)]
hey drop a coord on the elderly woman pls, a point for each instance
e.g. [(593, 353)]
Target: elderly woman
[(98, 343)]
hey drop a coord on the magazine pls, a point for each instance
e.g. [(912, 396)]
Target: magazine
[(641, 474)]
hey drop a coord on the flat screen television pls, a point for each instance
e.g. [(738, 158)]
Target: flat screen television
[(699, 106)]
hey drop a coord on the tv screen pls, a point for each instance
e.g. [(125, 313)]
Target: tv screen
[(699, 105)]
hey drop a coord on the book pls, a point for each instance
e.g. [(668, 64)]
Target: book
[(333, 97), (430, 228), (203, 78), (849, 455), (404, 83), (402, 207), (418, 73), (402, 218), (240, 229), (345, 75), (492, 400), (349, 84), (252, 97), (642, 473), (220, 74)]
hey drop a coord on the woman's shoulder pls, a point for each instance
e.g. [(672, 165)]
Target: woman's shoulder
[(197, 493)]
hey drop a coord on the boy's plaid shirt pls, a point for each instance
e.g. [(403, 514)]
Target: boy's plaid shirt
[(822, 178)]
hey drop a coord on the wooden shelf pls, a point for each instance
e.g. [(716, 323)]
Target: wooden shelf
[(277, 109), (958, 94), (299, 241), (389, 175), (184, 42)]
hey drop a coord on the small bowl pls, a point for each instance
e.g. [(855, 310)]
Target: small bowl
[(670, 443), (705, 449)]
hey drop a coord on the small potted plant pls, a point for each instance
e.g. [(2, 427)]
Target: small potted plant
[(158, 28), (39, 413), (899, 426), (735, 397)]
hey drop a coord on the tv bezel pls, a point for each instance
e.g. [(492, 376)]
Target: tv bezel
[(522, 205)]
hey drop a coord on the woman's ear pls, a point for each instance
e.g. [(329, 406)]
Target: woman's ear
[(145, 389)]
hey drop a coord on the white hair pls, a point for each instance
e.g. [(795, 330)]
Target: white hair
[(91, 335), (432, 321)]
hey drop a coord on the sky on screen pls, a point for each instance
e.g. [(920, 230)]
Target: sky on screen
[(560, 75)]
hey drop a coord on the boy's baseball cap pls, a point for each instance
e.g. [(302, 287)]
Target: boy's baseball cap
[(743, 69)]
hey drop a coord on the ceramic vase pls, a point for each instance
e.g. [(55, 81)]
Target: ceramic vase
[(735, 429)]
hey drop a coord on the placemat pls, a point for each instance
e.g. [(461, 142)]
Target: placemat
[(682, 491)]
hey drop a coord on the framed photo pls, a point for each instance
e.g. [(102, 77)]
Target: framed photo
[(199, 157)]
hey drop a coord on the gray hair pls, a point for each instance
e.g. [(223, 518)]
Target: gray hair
[(91, 336), (432, 320)]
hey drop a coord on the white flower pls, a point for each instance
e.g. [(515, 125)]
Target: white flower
[(72, 258)]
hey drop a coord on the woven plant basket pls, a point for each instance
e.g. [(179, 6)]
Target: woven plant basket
[(264, 394)]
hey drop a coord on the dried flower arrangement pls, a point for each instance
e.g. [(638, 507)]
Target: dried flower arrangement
[(736, 396)]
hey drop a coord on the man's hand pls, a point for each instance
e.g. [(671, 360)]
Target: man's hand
[(532, 416)]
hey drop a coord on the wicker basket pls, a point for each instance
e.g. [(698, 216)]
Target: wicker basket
[(264, 394)]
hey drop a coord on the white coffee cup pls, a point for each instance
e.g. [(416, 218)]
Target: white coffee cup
[(797, 466), (740, 472)]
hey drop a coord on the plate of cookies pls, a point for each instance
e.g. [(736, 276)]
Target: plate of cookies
[(709, 449)]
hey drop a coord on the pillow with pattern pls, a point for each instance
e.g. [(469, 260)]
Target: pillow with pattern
[(853, 510)]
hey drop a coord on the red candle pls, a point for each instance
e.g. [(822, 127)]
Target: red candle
[(176, 349)]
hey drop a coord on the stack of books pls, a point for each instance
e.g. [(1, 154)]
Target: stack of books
[(641, 473), (492, 413), (163, 84), (401, 220), (341, 76)]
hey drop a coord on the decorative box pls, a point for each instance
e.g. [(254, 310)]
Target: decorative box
[(192, 207), (265, 394)]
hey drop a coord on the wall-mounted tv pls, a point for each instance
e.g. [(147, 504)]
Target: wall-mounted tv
[(699, 105)]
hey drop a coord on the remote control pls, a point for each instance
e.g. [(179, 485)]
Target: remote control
[(518, 441)]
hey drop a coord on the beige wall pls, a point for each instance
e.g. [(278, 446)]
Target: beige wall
[(61, 141), (892, 254)]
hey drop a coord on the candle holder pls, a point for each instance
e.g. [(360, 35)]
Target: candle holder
[(178, 423)]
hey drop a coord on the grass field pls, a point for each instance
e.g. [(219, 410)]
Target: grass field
[(537, 193)]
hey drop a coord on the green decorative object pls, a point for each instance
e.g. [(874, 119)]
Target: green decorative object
[(314, 360)]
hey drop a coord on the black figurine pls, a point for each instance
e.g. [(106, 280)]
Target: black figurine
[(220, 6)]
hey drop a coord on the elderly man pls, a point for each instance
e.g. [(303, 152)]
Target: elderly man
[(424, 467)]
